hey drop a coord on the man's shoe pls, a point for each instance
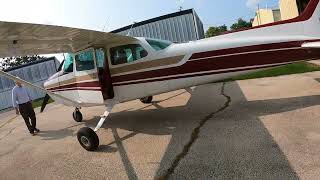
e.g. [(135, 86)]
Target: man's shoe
[(37, 130), (32, 134)]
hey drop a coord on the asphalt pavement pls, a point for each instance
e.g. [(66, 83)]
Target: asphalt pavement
[(254, 129)]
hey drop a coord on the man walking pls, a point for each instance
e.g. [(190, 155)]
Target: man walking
[(21, 101)]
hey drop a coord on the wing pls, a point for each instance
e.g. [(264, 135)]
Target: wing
[(59, 98), (20, 39)]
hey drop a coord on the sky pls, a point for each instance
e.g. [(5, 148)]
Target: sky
[(107, 15)]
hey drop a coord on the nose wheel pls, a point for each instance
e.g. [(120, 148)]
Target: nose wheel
[(77, 115), (88, 139)]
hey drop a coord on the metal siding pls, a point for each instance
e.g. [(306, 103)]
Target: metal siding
[(143, 33), (180, 28), (160, 31), (152, 30), (165, 30), (137, 31), (170, 31), (192, 27), (46, 69), (134, 32), (149, 31), (184, 28), (174, 29), (155, 30)]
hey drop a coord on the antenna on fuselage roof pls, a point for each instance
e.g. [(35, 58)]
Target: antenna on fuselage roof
[(105, 25), (131, 28)]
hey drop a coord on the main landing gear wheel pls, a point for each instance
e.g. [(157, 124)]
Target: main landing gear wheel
[(88, 139), (77, 116), (146, 100)]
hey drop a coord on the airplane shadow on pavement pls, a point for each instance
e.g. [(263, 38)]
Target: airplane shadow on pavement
[(232, 144)]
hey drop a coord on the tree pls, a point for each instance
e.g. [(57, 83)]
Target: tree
[(215, 31), (10, 62), (240, 24)]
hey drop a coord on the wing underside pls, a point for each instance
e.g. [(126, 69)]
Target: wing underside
[(19, 39)]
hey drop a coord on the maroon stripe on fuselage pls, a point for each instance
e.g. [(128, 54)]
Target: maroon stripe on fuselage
[(194, 75), (248, 49), (209, 63), (75, 85)]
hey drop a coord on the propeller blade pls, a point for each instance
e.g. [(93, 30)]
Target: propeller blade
[(45, 102)]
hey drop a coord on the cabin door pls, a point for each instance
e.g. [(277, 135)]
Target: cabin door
[(90, 84)]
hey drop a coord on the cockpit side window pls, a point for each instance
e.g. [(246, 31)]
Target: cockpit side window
[(158, 44), (68, 64), (85, 60), (127, 53)]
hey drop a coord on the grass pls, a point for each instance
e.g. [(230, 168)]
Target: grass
[(38, 102), (295, 68)]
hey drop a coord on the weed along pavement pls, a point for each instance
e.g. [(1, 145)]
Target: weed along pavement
[(265, 128)]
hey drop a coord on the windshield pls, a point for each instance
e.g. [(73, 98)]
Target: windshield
[(158, 44)]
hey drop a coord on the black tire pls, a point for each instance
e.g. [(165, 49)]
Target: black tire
[(88, 139), (146, 100), (77, 116)]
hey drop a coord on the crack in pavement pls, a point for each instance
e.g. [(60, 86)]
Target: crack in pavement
[(194, 136), (8, 133), (8, 122)]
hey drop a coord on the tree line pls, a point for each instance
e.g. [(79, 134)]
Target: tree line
[(218, 30), (10, 62)]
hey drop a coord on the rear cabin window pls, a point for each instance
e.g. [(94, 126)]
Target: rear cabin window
[(158, 44), (85, 60), (127, 53)]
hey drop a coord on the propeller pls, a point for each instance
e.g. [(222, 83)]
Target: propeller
[(44, 102)]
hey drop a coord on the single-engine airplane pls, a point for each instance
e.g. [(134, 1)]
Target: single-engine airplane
[(107, 69)]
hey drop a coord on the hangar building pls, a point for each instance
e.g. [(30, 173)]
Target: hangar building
[(36, 72), (178, 27)]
